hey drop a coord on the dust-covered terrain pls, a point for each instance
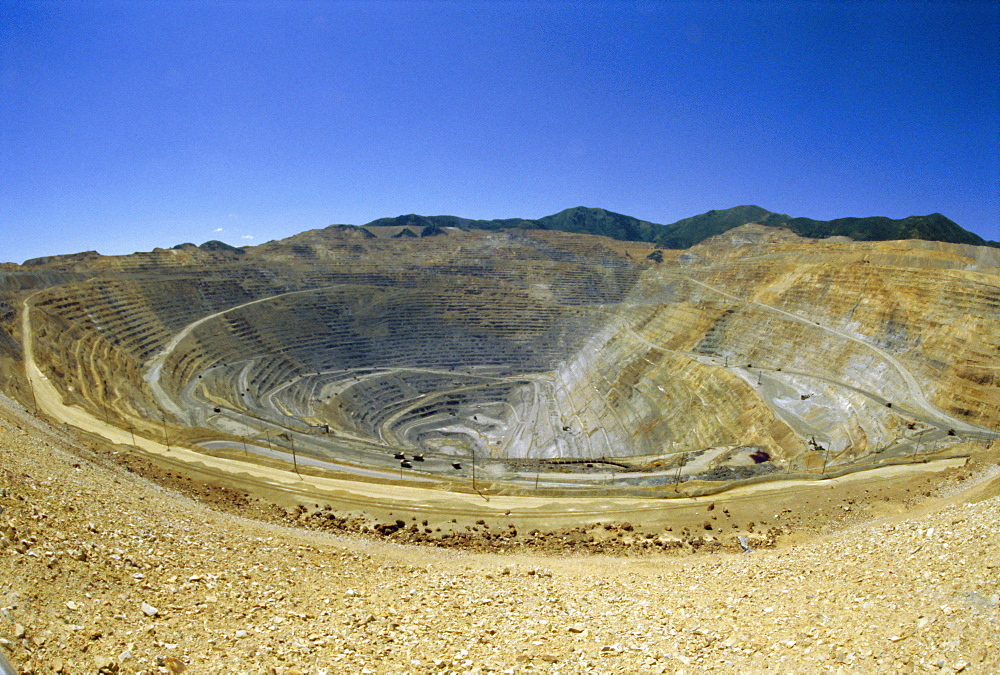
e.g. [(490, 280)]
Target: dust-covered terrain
[(350, 451), (101, 570)]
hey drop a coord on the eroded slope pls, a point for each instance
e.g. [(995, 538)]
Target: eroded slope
[(754, 354)]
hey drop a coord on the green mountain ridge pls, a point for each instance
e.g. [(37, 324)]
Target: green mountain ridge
[(684, 233), (690, 231)]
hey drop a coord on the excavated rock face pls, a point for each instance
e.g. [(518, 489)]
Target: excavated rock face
[(751, 353)]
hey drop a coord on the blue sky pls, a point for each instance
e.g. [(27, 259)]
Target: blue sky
[(130, 125)]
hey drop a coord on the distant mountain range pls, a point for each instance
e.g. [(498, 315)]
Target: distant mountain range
[(690, 231)]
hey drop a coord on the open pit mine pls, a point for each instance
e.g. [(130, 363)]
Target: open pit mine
[(516, 362)]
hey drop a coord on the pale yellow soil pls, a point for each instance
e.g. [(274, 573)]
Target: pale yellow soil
[(911, 584)]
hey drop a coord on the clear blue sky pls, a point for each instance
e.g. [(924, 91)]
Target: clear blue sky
[(130, 125)]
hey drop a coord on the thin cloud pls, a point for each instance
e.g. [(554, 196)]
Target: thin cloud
[(247, 236), (218, 229)]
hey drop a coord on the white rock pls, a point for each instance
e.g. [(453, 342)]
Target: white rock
[(149, 610)]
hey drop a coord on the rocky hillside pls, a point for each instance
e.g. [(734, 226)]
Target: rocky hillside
[(690, 231), (935, 227), (103, 572), (502, 451)]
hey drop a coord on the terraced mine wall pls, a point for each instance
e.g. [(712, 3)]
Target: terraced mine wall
[(753, 354), (16, 282)]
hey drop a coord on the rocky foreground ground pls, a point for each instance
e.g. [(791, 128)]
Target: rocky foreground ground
[(103, 571)]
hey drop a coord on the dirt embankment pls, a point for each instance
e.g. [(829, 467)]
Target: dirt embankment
[(103, 571)]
